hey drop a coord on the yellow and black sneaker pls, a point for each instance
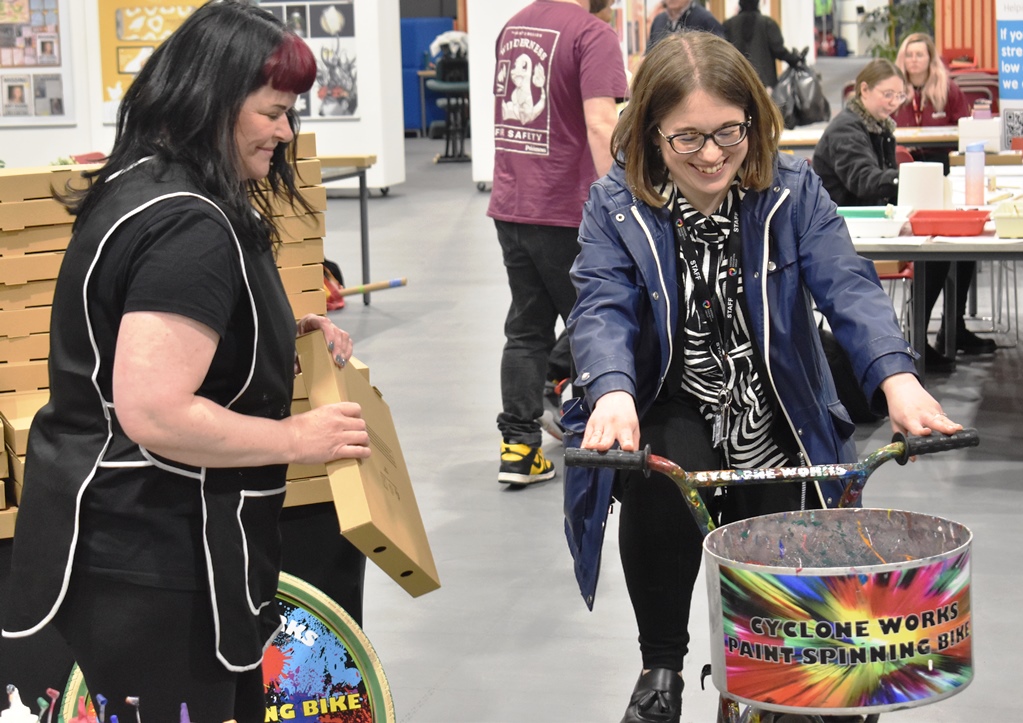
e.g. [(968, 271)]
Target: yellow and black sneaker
[(523, 465)]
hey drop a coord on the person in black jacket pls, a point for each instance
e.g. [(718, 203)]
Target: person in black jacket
[(855, 156), (682, 15), (759, 38)]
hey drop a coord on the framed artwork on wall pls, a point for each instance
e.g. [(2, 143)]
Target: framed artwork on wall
[(129, 32), (328, 26), (35, 71)]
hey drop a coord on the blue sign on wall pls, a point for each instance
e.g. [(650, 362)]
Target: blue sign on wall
[(1010, 59)]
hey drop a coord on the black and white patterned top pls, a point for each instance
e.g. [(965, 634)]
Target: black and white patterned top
[(748, 441)]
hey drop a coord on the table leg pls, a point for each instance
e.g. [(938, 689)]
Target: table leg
[(971, 305), (950, 312), (918, 323), (364, 230), (422, 105)]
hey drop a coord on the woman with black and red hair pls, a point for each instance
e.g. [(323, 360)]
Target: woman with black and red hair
[(148, 530)]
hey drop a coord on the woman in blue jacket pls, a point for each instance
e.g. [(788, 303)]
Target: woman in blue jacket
[(702, 254)]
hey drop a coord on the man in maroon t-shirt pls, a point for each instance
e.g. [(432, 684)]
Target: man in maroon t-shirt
[(559, 71)]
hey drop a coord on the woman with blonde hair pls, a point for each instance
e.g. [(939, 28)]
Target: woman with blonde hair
[(701, 253), (935, 100)]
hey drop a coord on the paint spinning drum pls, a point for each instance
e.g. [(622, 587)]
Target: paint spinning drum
[(840, 611), (320, 666)]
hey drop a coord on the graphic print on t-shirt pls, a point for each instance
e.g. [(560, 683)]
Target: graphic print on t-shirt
[(522, 80)]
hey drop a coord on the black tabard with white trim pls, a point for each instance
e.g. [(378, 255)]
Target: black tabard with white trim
[(75, 442)]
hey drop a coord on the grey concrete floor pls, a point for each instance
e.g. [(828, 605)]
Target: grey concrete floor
[(507, 637)]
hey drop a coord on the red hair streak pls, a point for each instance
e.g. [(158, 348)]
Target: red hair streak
[(291, 67)]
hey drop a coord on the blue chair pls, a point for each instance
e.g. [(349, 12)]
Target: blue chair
[(419, 102)]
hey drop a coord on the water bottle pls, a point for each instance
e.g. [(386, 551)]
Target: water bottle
[(975, 174)]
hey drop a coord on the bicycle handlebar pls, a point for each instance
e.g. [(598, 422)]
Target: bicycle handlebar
[(639, 460), (614, 458), (935, 443)]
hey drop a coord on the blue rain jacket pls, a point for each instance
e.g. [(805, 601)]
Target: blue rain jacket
[(796, 252)]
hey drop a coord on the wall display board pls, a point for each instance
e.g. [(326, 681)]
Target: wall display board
[(129, 32), (328, 26), (117, 36), (35, 82)]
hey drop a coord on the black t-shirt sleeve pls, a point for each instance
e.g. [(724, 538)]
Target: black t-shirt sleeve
[(185, 261)]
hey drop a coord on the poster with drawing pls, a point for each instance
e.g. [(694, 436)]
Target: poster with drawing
[(129, 32), (48, 94), (14, 90), (328, 26), (47, 49), (31, 37)]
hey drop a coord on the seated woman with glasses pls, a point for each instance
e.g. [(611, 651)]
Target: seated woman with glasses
[(700, 254), (855, 156)]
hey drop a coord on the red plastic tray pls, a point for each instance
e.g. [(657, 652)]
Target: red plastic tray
[(953, 222)]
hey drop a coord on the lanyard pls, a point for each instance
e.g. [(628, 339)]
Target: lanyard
[(917, 107), (701, 289), (721, 335)]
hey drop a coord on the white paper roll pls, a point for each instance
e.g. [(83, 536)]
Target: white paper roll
[(922, 185)]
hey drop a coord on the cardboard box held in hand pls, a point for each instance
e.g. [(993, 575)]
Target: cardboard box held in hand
[(375, 504)]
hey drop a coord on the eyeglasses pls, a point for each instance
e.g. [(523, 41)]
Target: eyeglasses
[(724, 137), (894, 95)]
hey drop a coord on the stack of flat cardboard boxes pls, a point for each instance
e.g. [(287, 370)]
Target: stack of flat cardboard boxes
[(300, 255), (300, 260), (34, 233)]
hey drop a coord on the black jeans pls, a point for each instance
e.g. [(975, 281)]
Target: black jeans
[(313, 550), (559, 363), (661, 546), (537, 259), (156, 645), (936, 273)]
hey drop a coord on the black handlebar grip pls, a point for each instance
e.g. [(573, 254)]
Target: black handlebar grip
[(935, 443), (614, 458)]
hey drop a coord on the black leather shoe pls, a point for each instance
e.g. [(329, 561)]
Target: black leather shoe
[(657, 698), (967, 342), (937, 363)]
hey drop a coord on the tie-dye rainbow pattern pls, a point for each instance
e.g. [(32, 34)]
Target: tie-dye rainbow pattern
[(880, 641), (309, 674)]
